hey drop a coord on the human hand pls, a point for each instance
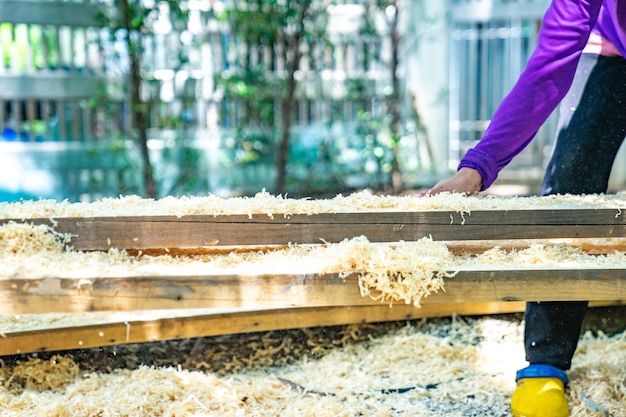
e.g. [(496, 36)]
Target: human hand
[(466, 180)]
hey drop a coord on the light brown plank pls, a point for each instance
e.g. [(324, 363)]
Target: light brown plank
[(204, 324), (245, 321), (590, 246), (21, 296)]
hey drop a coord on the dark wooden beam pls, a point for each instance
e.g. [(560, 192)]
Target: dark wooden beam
[(148, 232)]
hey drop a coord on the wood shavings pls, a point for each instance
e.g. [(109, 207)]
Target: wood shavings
[(598, 379), (23, 238), (424, 368), (265, 203), (40, 375)]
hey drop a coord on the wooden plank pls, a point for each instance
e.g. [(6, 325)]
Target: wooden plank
[(190, 324), (47, 295), (221, 323), (144, 232), (589, 246)]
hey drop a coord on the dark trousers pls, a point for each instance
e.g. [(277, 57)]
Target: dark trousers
[(591, 128)]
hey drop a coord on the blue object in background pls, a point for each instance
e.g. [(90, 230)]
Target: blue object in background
[(10, 135)]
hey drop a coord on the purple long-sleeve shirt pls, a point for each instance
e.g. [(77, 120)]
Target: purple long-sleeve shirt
[(546, 79)]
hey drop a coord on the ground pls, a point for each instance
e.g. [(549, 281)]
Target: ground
[(411, 380)]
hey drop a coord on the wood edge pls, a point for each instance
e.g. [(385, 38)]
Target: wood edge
[(588, 216)]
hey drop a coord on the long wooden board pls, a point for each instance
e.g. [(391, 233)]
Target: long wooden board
[(203, 323), (144, 232), (47, 295)]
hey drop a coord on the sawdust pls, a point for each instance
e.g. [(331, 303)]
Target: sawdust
[(453, 367)]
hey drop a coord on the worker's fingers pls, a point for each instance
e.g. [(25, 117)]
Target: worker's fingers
[(465, 181)]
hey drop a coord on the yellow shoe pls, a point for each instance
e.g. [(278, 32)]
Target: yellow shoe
[(537, 395)]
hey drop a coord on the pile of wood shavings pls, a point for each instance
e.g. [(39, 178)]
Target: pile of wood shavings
[(265, 203), (457, 367)]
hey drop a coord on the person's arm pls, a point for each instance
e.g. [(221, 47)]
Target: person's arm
[(538, 91)]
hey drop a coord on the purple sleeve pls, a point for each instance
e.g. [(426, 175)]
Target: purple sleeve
[(539, 89)]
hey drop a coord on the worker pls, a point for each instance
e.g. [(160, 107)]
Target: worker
[(578, 63)]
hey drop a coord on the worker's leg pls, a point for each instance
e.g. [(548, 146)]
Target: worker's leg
[(592, 126), (552, 331)]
